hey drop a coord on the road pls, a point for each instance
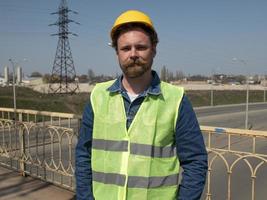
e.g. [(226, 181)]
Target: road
[(233, 116)]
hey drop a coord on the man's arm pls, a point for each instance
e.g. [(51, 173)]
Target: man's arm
[(191, 152), (83, 172)]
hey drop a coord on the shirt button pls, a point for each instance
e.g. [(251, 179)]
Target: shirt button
[(132, 113)]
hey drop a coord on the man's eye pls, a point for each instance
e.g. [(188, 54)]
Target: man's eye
[(125, 49), (141, 48)]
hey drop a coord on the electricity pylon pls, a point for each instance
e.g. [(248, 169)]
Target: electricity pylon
[(63, 78)]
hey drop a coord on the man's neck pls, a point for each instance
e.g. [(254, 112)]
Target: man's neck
[(137, 85)]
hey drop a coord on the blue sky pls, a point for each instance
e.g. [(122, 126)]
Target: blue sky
[(196, 37)]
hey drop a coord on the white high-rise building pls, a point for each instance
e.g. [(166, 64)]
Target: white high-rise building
[(6, 75), (19, 75)]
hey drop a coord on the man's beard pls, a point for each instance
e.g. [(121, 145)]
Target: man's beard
[(135, 68)]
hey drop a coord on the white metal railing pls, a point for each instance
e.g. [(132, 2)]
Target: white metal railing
[(237, 151), (44, 117), (42, 144)]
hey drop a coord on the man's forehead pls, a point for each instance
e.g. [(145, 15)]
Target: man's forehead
[(134, 35)]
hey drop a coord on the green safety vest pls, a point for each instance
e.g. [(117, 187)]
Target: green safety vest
[(139, 163)]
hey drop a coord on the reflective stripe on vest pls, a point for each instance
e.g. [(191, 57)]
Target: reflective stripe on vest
[(110, 145), (141, 162), (136, 181), (137, 149)]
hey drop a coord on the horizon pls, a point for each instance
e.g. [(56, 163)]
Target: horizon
[(28, 75)]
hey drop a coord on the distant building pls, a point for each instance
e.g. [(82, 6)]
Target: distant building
[(264, 82), (19, 75), (6, 75), (2, 81), (219, 78), (32, 81)]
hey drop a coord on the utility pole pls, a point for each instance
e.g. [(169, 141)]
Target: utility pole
[(211, 89), (264, 89), (63, 78), (247, 102), (14, 90), (247, 88)]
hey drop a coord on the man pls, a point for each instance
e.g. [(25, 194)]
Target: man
[(137, 130)]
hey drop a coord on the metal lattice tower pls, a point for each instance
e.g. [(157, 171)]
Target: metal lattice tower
[(63, 78)]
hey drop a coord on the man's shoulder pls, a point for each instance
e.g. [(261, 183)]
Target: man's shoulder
[(103, 85), (106, 83), (100, 93)]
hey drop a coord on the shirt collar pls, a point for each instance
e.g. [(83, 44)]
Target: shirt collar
[(153, 89)]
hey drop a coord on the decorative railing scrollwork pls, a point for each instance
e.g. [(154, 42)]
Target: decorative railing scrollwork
[(241, 154), (42, 144)]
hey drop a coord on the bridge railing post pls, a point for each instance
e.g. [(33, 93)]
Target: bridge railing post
[(22, 160)]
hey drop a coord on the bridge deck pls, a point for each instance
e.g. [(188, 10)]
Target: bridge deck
[(15, 187)]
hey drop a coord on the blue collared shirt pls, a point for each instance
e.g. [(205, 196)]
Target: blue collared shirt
[(190, 146)]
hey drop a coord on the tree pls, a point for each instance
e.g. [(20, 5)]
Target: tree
[(170, 76), (36, 74), (46, 78), (198, 77), (179, 75), (91, 75), (83, 78), (163, 73)]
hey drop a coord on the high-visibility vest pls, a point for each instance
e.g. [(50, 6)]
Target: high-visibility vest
[(139, 163)]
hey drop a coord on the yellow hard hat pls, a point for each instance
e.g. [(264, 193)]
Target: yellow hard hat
[(131, 16)]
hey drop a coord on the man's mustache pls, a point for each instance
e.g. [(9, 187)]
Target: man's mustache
[(131, 63)]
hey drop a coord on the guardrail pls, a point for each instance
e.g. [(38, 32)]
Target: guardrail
[(41, 144)]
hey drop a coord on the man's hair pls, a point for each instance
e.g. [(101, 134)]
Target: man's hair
[(130, 26)]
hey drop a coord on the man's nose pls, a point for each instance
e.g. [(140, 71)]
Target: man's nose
[(134, 54)]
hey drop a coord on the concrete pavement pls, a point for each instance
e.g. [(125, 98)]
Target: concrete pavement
[(15, 187)]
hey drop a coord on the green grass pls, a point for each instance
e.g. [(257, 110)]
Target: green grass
[(29, 99), (202, 98)]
